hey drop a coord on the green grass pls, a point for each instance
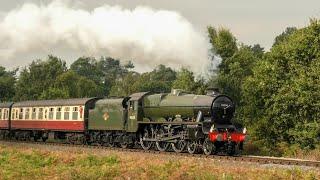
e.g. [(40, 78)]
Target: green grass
[(38, 164), (28, 163)]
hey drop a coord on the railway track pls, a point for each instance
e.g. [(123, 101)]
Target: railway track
[(251, 159)]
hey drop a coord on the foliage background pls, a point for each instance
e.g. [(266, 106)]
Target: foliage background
[(277, 93)]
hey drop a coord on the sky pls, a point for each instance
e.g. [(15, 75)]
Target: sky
[(251, 21)]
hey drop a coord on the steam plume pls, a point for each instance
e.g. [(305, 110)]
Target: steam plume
[(146, 36)]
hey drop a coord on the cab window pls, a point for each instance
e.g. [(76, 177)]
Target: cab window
[(133, 105)]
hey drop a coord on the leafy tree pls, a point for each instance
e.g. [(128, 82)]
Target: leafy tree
[(7, 84), (185, 80), (76, 86), (237, 68), (158, 80), (124, 87), (38, 77), (88, 67), (284, 36), (104, 72), (223, 42), (111, 70), (129, 65), (201, 85), (236, 65), (54, 93), (283, 94), (257, 50)]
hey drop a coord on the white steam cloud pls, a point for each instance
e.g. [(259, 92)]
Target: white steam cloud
[(147, 37)]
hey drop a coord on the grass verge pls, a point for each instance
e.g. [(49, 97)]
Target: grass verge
[(36, 163)]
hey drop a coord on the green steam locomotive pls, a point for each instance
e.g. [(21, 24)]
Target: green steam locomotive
[(176, 121)]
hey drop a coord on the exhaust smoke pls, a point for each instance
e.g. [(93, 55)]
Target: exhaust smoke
[(146, 36)]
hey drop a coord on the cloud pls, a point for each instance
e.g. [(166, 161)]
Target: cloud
[(144, 35)]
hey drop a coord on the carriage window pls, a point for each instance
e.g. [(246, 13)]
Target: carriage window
[(51, 110), (21, 113), (12, 114), (66, 113), (58, 113), (27, 114), (5, 114), (74, 113), (0, 114), (34, 110), (17, 113), (40, 113)]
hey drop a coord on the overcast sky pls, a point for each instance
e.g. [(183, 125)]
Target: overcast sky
[(251, 21)]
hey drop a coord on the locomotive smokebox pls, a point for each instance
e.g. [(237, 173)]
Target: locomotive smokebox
[(222, 109)]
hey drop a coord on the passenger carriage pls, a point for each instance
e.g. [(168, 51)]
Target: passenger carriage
[(5, 109), (50, 117)]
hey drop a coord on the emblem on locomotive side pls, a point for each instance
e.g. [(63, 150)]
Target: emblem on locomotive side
[(106, 116)]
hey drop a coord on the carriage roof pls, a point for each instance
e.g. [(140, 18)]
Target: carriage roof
[(6, 105), (57, 102)]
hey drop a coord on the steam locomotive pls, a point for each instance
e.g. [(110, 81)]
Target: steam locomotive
[(176, 121)]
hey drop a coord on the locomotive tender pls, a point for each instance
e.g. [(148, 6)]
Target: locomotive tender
[(175, 120)]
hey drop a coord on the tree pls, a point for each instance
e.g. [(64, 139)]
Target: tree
[(185, 80), (257, 50), (38, 77), (124, 87), (88, 67), (283, 94), (284, 35), (158, 80), (76, 86), (223, 42), (54, 93), (111, 70), (7, 84), (237, 68)]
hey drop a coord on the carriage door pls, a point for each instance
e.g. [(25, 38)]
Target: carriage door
[(46, 112), (132, 116), (45, 117)]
